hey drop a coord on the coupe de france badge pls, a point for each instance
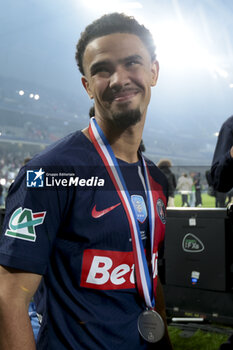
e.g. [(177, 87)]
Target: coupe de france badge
[(161, 210), (139, 207)]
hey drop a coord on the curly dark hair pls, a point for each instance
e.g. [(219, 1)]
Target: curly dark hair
[(110, 24)]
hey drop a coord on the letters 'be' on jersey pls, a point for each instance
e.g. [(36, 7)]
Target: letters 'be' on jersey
[(76, 234)]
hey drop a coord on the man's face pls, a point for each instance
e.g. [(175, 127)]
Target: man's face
[(119, 74)]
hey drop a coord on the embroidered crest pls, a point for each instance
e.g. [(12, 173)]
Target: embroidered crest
[(161, 210), (22, 224), (139, 207)]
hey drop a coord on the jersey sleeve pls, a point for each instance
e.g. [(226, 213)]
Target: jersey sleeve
[(32, 220), (221, 174)]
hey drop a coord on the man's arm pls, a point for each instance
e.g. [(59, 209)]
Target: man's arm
[(161, 309), (16, 291), (222, 164)]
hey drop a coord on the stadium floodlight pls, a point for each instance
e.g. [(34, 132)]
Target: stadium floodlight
[(3, 181), (36, 97), (231, 86), (31, 95), (21, 92), (179, 46)]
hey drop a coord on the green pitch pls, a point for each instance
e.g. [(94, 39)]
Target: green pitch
[(199, 340), (207, 201)]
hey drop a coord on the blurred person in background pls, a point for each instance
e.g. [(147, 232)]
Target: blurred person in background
[(220, 197), (230, 196), (192, 196), (221, 173), (1, 193), (197, 184), (221, 176), (165, 166), (184, 186)]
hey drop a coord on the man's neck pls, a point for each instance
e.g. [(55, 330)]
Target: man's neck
[(125, 144)]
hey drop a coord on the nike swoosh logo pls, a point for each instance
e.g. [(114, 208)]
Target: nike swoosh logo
[(97, 214)]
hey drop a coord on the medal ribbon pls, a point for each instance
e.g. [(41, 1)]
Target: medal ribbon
[(143, 278)]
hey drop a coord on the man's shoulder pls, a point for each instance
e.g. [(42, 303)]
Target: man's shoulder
[(228, 123), (152, 165), (155, 172), (67, 150)]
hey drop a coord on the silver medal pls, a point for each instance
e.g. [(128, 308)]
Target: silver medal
[(151, 326)]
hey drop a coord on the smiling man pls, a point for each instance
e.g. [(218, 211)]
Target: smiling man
[(118, 75), (89, 255)]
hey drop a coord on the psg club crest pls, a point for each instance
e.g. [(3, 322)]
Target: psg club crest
[(139, 207), (161, 210)]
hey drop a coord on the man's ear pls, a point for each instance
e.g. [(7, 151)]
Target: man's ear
[(155, 72), (86, 86)]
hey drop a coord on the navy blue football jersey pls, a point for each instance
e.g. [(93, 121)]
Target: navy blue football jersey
[(65, 221)]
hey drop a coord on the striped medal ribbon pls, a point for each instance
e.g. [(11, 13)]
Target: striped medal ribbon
[(143, 279)]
